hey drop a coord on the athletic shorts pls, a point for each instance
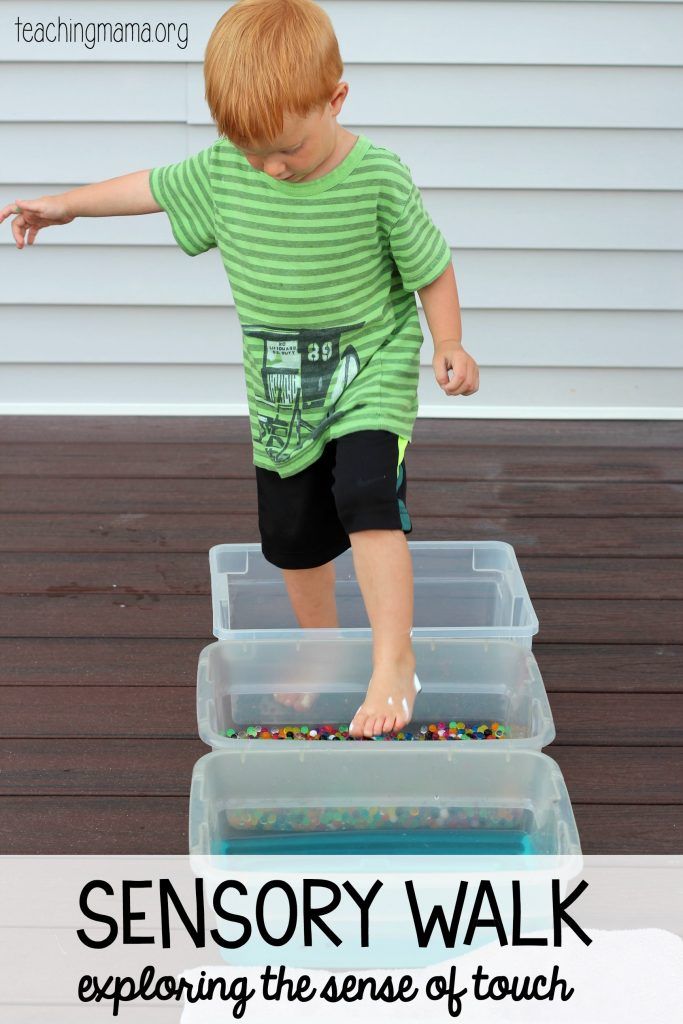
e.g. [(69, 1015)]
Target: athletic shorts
[(358, 483)]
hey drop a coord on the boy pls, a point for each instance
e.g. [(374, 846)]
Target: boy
[(325, 240)]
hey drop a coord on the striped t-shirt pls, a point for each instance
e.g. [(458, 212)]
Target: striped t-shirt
[(323, 275)]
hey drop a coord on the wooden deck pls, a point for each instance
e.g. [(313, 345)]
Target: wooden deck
[(105, 525)]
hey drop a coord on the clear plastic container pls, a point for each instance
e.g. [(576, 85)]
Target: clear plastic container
[(247, 802), (462, 589), (475, 682), (305, 817)]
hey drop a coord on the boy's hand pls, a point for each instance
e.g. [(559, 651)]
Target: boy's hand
[(34, 214), (450, 355)]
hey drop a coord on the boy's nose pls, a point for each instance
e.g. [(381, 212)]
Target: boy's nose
[(276, 170)]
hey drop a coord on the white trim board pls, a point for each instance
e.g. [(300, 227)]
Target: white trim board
[(426, 412), (534, 392)]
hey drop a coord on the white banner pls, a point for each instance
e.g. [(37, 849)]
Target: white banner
[(591, 939)]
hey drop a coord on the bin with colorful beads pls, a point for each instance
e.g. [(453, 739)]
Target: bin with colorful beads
[(298, 799), (294, 813), (305, 690)]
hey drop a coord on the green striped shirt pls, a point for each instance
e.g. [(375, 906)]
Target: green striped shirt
[(323, 275)]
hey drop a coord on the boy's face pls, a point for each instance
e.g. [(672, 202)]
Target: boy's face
[(305, 145)]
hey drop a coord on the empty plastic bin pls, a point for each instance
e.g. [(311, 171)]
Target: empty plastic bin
[(463, 589), (475, 682)]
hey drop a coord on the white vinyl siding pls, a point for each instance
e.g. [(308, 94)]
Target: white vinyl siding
[(546, 139)]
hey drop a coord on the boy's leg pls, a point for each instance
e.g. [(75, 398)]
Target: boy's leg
[(301, 534), (300, 530), (384, 572), (311, 592), (370, 498)]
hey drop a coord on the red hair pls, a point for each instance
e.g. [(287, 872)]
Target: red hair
[(266, 58)]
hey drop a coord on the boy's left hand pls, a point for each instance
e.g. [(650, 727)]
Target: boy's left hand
[(450, 355)]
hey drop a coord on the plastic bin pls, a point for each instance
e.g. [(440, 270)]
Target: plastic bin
[(473, 681), (499, 817), (303, 801), (462, 589)]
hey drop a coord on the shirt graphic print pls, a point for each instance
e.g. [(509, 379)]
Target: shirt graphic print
[(323, 275), (302, 372)]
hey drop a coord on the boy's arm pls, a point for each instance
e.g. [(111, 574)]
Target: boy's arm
[(129, 194), (442, 309), (126, 195)]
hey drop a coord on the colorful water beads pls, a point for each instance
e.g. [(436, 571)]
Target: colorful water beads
[(432, 731), (325, 819)]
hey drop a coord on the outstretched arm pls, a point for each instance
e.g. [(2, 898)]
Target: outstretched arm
[(126, 195)]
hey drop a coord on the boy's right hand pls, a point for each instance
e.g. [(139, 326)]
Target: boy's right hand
[(34, 214)]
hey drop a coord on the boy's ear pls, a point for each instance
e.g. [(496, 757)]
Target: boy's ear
[(338, 96)]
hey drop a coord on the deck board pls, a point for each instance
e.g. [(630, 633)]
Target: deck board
[(177, 532), (176, 615), (219, 430), (530, 498), (185, 573), (130, 825), (140, 662), (162, 767), (105, 526), (230, 461), (596, 719)]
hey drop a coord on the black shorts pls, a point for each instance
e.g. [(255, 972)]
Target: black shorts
[(356, 484)]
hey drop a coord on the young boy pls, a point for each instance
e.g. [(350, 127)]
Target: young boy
[(325, 239)]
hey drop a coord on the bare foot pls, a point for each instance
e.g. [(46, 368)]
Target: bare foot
[(388, 704), (297, 701)]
